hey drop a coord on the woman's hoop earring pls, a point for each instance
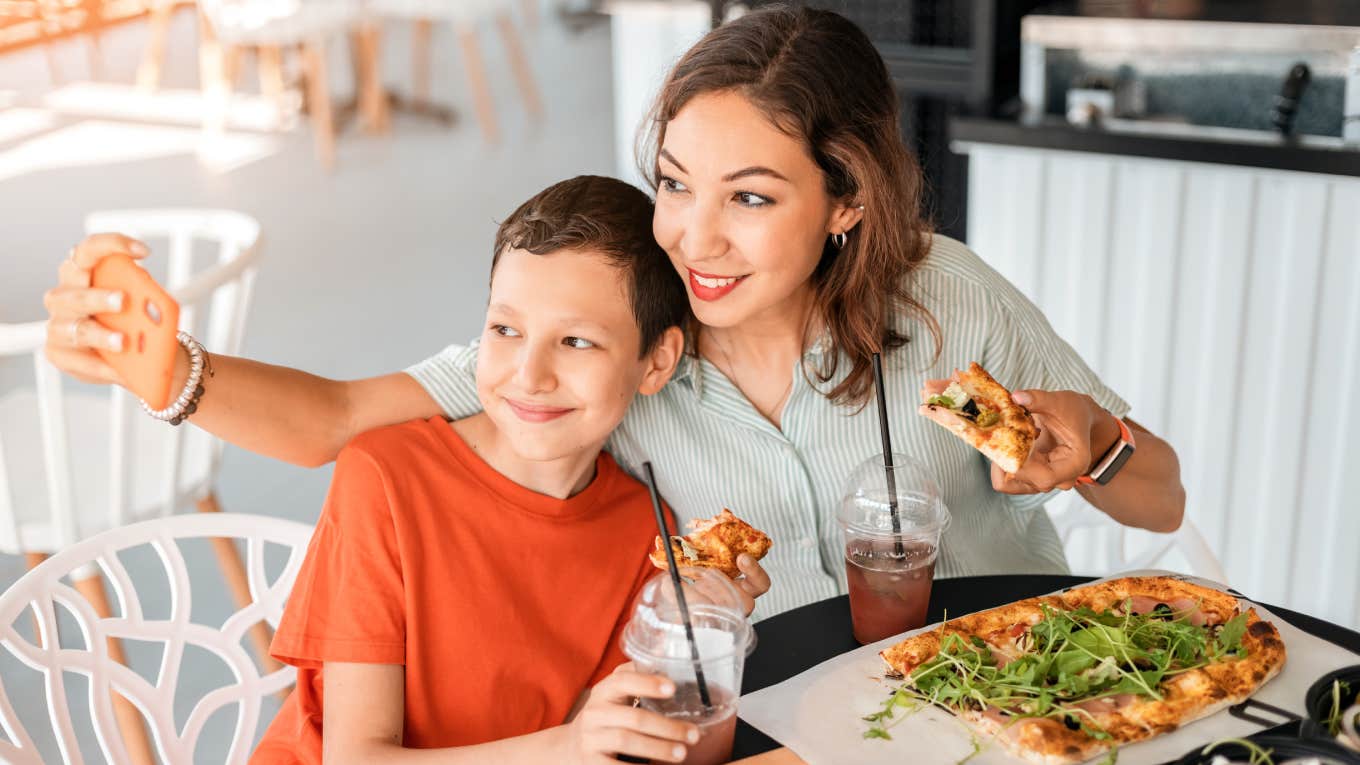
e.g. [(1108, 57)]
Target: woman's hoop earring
[(839, 240)]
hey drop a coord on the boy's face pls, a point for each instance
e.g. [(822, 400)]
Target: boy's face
[(558, 364)]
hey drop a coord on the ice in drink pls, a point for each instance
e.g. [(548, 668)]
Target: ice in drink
[(889, 592)]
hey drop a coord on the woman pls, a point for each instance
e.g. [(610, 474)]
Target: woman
[(790, 206)]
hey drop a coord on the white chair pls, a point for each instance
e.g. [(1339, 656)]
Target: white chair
[(464, 16), (42, 590), (1098, 545), (273, 26), (74, 463)]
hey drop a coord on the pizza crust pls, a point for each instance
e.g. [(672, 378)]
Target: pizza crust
[(1217, 605)]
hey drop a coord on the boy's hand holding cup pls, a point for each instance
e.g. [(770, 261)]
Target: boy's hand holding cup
[(611, 723)]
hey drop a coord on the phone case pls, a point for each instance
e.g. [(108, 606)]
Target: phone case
[(149, 322)]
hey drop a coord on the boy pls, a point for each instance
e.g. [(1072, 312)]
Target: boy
[(467, 581)]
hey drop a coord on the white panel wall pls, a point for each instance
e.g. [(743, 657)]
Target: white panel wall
[(1224, 304)]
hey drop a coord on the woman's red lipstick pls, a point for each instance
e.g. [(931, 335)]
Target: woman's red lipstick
[(707, 292)]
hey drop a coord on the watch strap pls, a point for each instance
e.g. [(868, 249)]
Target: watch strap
[(1109, 465)]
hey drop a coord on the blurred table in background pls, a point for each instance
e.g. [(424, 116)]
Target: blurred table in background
[(24, 23)]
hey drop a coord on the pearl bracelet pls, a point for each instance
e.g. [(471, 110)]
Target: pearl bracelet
[(187, 402)]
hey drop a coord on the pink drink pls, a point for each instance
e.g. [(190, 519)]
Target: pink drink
[(717, 726), (889, 592)]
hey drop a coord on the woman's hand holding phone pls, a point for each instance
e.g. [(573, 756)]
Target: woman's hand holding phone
[(75, 339)]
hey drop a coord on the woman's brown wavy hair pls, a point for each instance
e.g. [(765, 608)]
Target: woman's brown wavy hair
[(818, 78)]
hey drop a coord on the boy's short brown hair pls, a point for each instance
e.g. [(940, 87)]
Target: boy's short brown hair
[(613, 218)]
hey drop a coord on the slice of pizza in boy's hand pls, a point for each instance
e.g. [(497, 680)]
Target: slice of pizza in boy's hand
[(979, 410), (715, 543)]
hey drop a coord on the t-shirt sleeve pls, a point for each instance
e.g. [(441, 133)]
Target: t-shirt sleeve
[(348, 602), (1023, 351), (450, 377)]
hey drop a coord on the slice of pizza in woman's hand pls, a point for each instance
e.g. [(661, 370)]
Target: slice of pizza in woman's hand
[(715, 543), (1061, 679), (979, 410)]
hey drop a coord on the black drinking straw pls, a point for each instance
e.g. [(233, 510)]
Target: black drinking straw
[(887, 453), (675, 580)]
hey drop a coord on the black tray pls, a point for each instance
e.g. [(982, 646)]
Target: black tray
[(1318, 702), (1282, 748)]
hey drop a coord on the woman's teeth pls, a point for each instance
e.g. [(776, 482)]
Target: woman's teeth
[(715, 283)]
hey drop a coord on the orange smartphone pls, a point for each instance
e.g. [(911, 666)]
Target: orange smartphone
[(149, 322)]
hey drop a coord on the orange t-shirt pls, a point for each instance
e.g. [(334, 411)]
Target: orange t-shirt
[(502, 603)]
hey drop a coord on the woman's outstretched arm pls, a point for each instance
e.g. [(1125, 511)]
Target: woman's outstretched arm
[(275, 411)]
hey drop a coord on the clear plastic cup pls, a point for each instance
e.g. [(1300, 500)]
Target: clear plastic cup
[(889, 566), (655, 640)]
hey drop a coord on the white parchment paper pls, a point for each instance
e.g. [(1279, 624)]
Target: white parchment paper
[(817, 713)]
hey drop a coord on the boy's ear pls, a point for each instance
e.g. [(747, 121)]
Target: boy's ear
[(662, 360)]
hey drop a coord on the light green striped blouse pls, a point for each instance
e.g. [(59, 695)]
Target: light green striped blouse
[(711, 449)]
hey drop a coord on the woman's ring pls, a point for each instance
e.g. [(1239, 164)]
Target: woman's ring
[(75, 331)]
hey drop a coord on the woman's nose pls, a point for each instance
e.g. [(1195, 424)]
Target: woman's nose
[(703, 237)]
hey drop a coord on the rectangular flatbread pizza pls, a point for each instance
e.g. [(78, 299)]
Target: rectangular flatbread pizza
[(1061, 679)]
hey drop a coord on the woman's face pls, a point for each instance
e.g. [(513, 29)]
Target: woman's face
[(742, 210)]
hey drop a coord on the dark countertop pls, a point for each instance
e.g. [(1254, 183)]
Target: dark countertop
[(1216, 147)]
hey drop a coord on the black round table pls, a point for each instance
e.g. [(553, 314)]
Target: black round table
[(800, 639)]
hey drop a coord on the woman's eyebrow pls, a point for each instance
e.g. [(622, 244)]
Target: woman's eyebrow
[(745, 172), (666, 155)]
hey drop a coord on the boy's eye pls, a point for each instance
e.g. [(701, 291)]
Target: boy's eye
[(748, 199), (504, 331), (671, 185), (577, 342)]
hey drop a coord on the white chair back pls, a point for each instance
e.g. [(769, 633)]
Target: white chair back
[(130, 466), (39, 592), (1096, 544)]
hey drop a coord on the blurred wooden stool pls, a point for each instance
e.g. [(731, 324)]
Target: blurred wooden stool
[(464, 16), (229, 26)]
